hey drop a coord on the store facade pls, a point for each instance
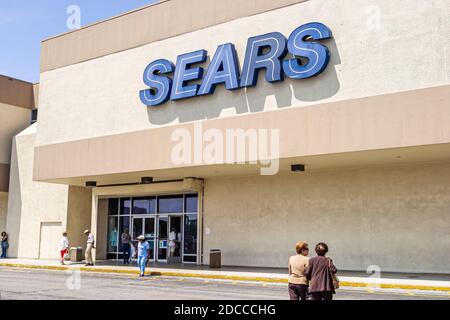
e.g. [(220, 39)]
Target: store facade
[(246, 128)]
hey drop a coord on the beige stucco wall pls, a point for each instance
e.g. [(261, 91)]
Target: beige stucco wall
[(31, 203), (375, 50), (396, 217), (3, 210)]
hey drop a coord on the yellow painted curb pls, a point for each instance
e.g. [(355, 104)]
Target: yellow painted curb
[(30, 266), (221, 277), (395, 286)]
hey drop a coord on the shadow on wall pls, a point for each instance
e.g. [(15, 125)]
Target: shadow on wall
[(14, 211), (79, 211), (253, 99), (323, 86)]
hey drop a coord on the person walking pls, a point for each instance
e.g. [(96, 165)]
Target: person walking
[(90, 246), (63, 247), (126, 246), (143, 254), (298, 285), (5, 244), (320, 272)]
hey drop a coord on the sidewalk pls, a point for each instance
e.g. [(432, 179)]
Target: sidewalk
[(400, 281)]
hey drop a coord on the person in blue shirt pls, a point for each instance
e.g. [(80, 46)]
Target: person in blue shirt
[(143, 254)]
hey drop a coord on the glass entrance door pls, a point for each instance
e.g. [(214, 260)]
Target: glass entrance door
[(163, 233), (169, 223), (149, 233), (145, 226), (175, 238)]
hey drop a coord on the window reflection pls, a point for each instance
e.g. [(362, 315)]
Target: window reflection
[(170, 204), (125, 206), (113, 234), (144, 205), (124, 224), (190, 234), (191, 203), (113, 206), (137, 228)]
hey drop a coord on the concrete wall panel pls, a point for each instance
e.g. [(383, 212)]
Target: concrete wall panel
[(50, 235), (396, 217)]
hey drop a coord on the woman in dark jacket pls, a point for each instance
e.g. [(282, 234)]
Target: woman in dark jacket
[(319, 272), (4, 244)]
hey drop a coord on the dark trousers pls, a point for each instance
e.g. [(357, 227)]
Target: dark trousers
[(322, 295), (126, 250), (298, 291), (4, 248)]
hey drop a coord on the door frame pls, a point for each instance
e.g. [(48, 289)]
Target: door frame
[(143, 217)]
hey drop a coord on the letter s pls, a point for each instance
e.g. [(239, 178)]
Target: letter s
[(317, 54), (160, 87)]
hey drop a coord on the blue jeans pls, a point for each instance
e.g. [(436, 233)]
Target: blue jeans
[(4, 248), (126, 250), (142, 261)]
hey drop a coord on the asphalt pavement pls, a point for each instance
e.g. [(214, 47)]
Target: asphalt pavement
[(28, 284)]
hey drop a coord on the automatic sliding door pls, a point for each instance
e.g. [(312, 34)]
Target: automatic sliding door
[(149, 233), (163, 225), (175, 237), (155, 217), (138, 228)]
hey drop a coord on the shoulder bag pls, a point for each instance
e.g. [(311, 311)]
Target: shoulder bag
[(333, 276)]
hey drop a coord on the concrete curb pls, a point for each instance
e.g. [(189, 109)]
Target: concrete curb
[(346, 283)]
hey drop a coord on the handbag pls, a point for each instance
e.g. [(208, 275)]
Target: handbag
[(334, 277), (133, 252)]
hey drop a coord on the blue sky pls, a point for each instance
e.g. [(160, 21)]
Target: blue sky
[(24, 23)]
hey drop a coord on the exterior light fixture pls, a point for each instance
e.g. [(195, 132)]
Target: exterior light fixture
[(146, 180), (297, 167), (91, 184)]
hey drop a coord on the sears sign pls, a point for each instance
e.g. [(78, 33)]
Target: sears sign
[(263, 52)]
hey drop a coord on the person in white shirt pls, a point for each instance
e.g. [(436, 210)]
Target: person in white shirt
[(63, 246), (89, 247), (172, 243)]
